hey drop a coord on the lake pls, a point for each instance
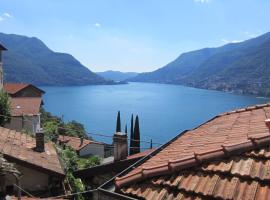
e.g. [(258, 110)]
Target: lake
[(164, 110)]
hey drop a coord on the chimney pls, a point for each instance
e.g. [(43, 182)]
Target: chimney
[(40, 143), (120, 146), (267, 123)]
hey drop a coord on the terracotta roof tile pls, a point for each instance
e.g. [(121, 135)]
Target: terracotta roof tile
[(19, 146), (25, 105), (75, 142), (225, 158), (230, 178), (141, 154), (13, 88), (222, 130)]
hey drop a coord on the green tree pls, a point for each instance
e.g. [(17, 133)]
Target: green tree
[(131, 142), (4, 108), (137, 136), (51, 130), (118, 122), (75, 128)]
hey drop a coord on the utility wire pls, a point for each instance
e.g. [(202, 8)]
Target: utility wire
[(95, 134), (72, 194)]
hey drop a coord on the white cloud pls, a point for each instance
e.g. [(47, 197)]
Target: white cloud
[(202, 1), (251, 34), (7, 15), (225, 41), (97, 25)]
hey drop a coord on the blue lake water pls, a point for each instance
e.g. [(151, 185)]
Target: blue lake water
[(164, 110)]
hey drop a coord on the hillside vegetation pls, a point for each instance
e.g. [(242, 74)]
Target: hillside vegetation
[(30, 60), (239, 67)]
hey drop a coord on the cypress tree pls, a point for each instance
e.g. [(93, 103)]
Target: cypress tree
[(118, 122), (151, 144), (137, 135), (126, 129), (131, 142)]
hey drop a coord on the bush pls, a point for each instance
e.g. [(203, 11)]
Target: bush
[(4, 108)]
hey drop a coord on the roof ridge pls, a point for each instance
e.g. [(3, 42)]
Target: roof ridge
[(248, 108), (194, 160)]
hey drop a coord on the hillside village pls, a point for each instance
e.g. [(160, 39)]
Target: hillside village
[(42, 153), (43, 157)]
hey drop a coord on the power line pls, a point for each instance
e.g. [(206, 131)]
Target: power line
[(88, 133), (72, 194)]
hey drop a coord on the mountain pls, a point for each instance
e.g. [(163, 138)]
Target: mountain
[(116, 75), (30, 60), (238, 67)]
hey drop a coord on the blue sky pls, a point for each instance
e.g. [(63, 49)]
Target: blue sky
[(139, 35)]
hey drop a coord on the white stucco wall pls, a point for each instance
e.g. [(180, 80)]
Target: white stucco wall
[(92, 149)]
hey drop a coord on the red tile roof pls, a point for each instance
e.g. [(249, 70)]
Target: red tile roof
[(244, 176), (13, 88), (141, 154), (25, 105), (75, 142), (19, 147), (236, 131)]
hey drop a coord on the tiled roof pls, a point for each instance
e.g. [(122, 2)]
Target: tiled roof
[(25, 105), (75, 142), (19, 147), (141, 154), (13, 88), (232, 132), (240, 177)]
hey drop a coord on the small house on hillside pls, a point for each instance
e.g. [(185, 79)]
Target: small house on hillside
[(37, 161), (25, 114), (84, 147), (26, 101)]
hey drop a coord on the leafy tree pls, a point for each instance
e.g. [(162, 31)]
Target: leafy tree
[(75, 128), (118, 122), (4, 108), (51, 130), (88, 162), (72, 163), (54, 126), (136, 136), (131, 143)]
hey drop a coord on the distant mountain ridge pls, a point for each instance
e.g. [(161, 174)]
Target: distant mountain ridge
[(117, 75), (239, 67), (30, 60)]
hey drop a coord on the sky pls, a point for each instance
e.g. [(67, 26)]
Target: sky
[(134, 35)]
